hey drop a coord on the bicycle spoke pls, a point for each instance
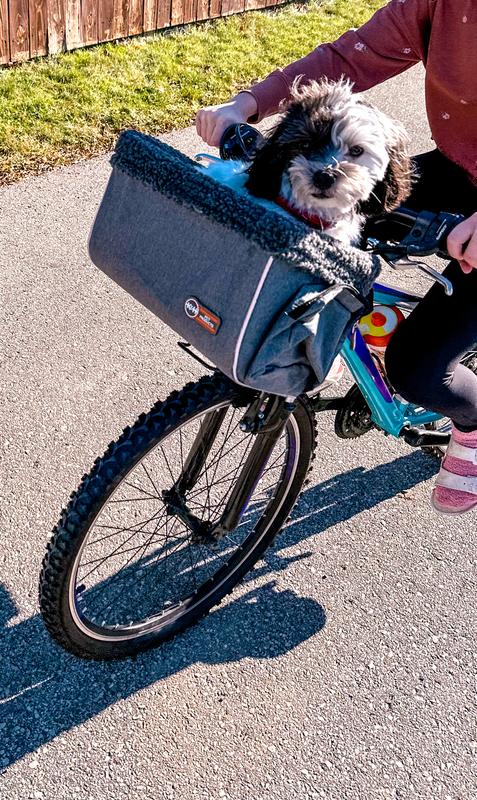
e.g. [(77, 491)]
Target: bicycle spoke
[(134, 499), (106, 558), (148, 475), (116, 530), (143, 491), (120, 574), (168, 465)]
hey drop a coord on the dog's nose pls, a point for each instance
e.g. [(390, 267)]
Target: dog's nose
[(324, 179)]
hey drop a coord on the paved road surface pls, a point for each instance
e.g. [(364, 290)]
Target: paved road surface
[(343, 669)]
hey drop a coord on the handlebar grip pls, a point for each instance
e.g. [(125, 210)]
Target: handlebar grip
[(404, 233), (449, 222), (430, 233), (240, 142)]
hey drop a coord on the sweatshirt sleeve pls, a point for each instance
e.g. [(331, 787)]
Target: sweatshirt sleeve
[(394, 39)]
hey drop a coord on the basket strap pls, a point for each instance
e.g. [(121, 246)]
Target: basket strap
[(450, 480), (463, 453)]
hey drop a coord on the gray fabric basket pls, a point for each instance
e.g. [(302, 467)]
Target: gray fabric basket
[(265, 298)]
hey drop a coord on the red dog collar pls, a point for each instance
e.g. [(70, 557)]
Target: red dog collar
[(311, 219)]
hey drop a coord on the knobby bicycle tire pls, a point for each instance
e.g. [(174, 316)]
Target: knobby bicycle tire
[(59, 604)]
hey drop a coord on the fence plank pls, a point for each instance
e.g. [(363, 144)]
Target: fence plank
[(110, 20), (89, 21), (38, 28), (177, 12), (73, 31), (202, 9), (56, 26), (4, 33), (149, 15), (163, 14), (113, 19), (120, 19), (19, 37), (189, 10), (232, 7), (135, 17)]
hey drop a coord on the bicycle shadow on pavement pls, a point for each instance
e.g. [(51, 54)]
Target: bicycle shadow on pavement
[(45, 691), (342, 497)]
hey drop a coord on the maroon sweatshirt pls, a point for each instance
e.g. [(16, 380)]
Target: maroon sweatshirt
[(440, 33)]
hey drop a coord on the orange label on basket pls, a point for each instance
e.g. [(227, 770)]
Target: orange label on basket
[(202, 315)]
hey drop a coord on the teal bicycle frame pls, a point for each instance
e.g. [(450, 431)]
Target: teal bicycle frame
[(388, 411)]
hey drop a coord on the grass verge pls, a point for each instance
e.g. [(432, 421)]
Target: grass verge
[(56, 110)]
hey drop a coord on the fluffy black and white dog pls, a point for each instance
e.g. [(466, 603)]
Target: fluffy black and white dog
[(333, 160)]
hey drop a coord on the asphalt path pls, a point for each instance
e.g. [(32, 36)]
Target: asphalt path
[(343, 668)]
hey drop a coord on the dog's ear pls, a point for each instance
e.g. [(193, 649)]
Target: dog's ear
[(397, 180), (396, 185), (266, 171)]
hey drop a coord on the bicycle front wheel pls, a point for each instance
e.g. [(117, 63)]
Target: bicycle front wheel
[(123, 572)]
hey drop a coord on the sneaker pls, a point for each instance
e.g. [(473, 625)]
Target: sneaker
[(456, 484)]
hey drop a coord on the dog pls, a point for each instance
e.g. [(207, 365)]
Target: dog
[(333, 160)]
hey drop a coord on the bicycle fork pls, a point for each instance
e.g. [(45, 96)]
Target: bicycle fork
[(265, 418)]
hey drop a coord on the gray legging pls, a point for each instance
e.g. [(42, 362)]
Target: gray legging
[(422, 359)]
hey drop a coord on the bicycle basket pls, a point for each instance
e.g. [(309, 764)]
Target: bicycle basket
[(264, 297)]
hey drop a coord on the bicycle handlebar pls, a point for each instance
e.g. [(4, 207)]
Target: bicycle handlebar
[(239, 142), (425, 233)]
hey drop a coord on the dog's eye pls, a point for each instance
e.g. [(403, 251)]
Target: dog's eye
[(356, 151)]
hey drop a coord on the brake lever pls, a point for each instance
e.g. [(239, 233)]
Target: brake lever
[(407, 263), (397, 256)]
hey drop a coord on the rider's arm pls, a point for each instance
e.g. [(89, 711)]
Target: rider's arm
[(394, 39)]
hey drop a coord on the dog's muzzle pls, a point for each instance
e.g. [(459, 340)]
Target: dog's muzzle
[(324, 179)]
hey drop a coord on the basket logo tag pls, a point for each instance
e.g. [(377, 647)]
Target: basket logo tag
[(202, 315)]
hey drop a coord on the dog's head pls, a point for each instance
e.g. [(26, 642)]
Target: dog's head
[(332, 152)]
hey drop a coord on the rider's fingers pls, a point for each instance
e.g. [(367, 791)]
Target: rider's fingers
[(204, 123), (470, 251), (198, 122), (214, 132), (217, 133), (210, 130), (462, 237), (470, 258)]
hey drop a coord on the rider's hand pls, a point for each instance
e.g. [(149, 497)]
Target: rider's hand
[(212, 121), (462, 244)]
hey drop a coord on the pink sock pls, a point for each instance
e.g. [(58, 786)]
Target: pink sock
[(453, 498)]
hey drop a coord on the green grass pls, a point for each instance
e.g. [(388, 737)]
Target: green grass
[(56, 110)]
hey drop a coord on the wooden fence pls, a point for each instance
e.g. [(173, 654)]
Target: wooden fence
[(30, 28)]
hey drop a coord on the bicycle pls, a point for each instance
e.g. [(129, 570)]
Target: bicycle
[(181, 507)]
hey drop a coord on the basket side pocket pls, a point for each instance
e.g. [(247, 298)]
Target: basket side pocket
[(300, 348)]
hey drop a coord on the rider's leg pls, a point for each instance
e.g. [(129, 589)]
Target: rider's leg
[(440, 185), (422, 359), (422, 362), (423, 356)]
